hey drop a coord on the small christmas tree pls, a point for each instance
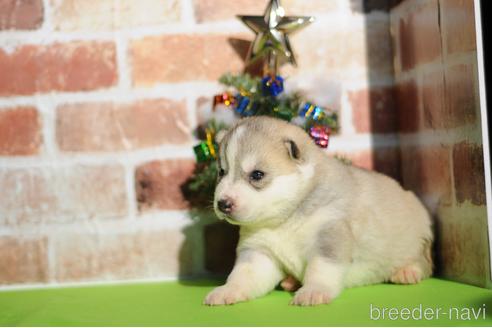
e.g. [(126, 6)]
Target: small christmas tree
[(248, 95)]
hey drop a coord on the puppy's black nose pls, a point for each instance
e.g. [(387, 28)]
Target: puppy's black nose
[(225, 205)]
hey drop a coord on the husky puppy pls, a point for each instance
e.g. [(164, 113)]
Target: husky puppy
[(305, 215)]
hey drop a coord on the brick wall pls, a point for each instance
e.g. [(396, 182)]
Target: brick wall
[(98, 100), (440, 129)]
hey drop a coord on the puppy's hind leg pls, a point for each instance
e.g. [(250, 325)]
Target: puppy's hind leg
[(417, 270), (409, 274)]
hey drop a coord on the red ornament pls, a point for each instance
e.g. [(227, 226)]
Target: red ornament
[(224, 98), (320, 134)]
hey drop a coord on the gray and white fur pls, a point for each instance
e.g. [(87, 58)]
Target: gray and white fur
[(304, 214)]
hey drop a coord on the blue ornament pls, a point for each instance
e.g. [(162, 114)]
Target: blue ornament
[(244, 106), (242, 103), (272, 85), (312, 111)]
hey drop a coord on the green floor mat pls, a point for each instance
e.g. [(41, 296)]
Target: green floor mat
[(180, 304)]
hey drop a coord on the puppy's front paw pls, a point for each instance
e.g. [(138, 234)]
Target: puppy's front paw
[(225, 295), (308, 296)]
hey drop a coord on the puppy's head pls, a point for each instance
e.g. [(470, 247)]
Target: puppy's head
[(264, 171)]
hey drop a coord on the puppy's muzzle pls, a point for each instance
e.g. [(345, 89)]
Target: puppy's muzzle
[(225, 205)]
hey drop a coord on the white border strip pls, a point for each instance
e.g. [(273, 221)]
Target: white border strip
[(90, 283), (485, 132)]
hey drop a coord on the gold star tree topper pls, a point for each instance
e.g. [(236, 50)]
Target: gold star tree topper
[(272, 34)]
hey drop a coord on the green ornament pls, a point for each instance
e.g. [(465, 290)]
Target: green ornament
[(203, 152)]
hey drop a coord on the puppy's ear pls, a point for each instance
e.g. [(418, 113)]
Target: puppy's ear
[(220, 136), (293, 150)]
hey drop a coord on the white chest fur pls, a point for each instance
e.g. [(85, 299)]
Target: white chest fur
[(289, 244)]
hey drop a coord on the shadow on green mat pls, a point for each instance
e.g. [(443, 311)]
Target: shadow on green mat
[(201, 282), (180, 304)]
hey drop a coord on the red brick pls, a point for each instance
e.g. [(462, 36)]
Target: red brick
[(458, 24), (74, 66), (19, 131), (89, 256), (21, 15), (435, 114), (383, 160), (373, 110), (469, 175), (408, 106), (427, 172), (449, 98), (420, 37), (213, 10), (178, 58), (23, 260), (71, 15), (158, 184), (461, 90), (121, 126), (63, 194)]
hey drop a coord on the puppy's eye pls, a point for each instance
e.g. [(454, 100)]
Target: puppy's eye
[(256, 175), (221, 172)]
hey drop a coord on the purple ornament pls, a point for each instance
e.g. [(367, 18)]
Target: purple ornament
[(321, 135)]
